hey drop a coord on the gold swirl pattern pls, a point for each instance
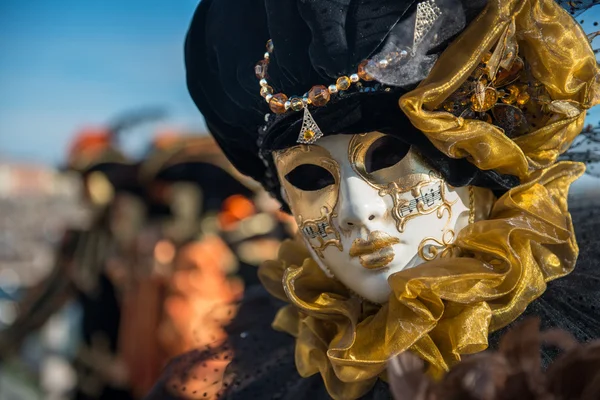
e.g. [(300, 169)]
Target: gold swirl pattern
[(428, 250)]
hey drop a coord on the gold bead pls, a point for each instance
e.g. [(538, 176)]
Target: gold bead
[(318, 96), (512, 97), (523, 98), (296, 103), (265, 90), (277, 103), (343, 83), (485, 100)]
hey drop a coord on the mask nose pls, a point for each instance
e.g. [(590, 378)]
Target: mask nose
[(360, 203)]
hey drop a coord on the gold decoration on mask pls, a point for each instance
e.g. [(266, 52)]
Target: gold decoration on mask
[(322, 230), (423, 202), (410, 175), (428, 250), (314, 210)]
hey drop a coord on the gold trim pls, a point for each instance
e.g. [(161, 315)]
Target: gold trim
[(320, 228), (471, 205), (448, 249), (414, 178), (418, 202)]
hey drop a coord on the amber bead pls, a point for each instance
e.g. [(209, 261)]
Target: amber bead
[(362, 73), (343, 83), (270, 46), (484, 101), (277, 103), (523, 98), (296, 103), (308, 135), (319, 95), (506, 76), (266, 90), (261, 69), (512, 96)]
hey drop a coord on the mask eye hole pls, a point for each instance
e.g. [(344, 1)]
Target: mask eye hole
[(310, 177), (385, 152)]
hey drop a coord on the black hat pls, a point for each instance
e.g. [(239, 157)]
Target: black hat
[(315, 42)]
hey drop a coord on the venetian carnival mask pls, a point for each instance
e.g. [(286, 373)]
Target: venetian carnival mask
[(368, 206)]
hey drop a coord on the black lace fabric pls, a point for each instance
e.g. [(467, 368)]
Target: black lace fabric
[(257, 362), (577, 7)]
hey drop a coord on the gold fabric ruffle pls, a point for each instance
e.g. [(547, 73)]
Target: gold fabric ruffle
[(560, 57), (439, 310)]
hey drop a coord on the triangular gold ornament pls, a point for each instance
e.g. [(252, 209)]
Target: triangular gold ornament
[(310, 131), (427, 14)]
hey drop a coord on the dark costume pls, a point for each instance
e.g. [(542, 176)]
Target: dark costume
[(491, 98)]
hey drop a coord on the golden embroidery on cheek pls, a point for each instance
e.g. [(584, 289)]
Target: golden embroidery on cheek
[(321, 230)]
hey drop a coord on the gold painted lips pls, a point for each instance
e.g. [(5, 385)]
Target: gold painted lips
[(375, 251)]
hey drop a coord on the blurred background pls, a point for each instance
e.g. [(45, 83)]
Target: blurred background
[(123, 229)]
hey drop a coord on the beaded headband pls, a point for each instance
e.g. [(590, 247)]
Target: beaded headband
[(319, 95)]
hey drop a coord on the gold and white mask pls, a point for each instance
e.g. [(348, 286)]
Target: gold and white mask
[(369, 206)]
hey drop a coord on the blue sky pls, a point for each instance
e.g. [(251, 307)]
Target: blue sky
[(70, 63), (65, 64)]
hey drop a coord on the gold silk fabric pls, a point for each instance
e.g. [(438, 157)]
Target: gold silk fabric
[(560, 57), (447, 307)]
